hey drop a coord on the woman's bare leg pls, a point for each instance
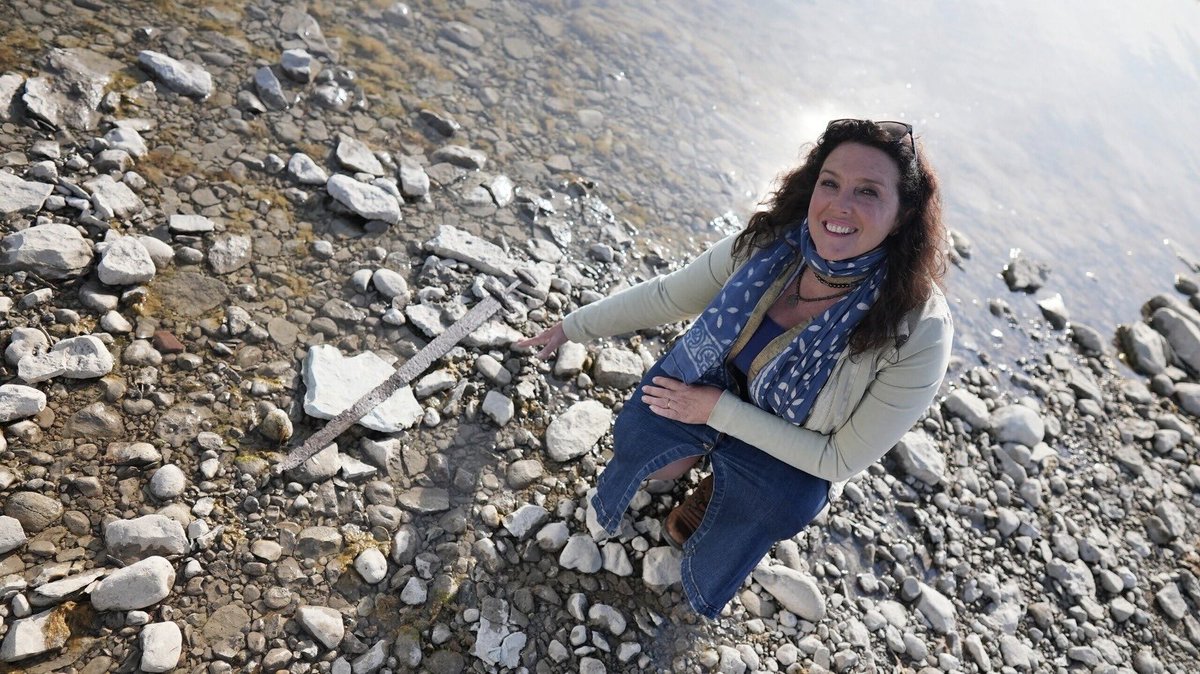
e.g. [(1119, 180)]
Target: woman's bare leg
[(674, 469)]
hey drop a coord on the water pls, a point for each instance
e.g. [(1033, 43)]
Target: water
[(1063, 129)]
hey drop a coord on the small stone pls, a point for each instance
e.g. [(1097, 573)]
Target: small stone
[(136, 586), (323, 623), (185, 77), (576, 431), (581, 554), (161, 644), (12, 534), (33, 511), (371, 565), (158, 535), (796, 591), (168, 483)]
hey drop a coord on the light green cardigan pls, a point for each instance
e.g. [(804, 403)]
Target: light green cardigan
[(868, 402)]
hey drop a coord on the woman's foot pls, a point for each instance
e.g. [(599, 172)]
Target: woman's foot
[(683, 521)]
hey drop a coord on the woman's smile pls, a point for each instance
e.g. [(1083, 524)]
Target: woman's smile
[(855, 202)]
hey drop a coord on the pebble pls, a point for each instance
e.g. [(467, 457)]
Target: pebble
[(371, 565), (139, 585), (574, 433), (323, 623), (161, 645), (168, 483)]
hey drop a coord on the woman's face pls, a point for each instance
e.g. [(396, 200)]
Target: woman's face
[(856, 202)]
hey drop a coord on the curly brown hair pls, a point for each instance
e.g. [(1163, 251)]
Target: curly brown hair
[(915, 251)]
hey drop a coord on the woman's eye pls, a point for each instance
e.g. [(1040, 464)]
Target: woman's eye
[(868, 191), (828, 183)]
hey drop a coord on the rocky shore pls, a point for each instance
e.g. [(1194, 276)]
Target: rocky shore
[(220, 226)]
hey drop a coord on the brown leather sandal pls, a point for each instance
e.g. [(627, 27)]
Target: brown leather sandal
[(686, 517)]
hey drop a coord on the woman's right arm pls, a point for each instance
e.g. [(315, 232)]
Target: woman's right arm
[(677, 296)]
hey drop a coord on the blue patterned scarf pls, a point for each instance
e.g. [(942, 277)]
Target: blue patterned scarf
[(789, 383)]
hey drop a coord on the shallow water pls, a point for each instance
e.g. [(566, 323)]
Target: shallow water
[(1061, 129)]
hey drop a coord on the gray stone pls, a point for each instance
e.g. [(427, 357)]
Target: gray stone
[(168, 482), (414, 182), (58, 591), (797, 592), (333, 383), (498, 406), (299, 65), (495, 642), (581, 554), (323, 623), (37, 634), (70, 91), (319, 467), (577, 430), (136, 586), (185, 223), (95, 421), (23, 342), (1019, 424), (425, 500), (1089, 339), (229, 253), (21, 196), (185, 77), (617, 367), (569, 360), (356, 156), (161, 645), (53, 251), (160, 251), (83, 357), (371, 565), (1182, 334), (937, 609), (270, 90), (18, 402), (126, 139), (524, 520), (969, 407), (1171, 601), (523, 473), (483, 255), (125, 262), (460, 156), (660, 567), (390, 284), (1145, 348), (112, 199), (34, 511), (305, 171), (371, 661), (921, 457), (10, 85), (369, 201), (145, 536), (12, 534), (461, 34), (1054, 309), (317, 542), (1025, 275)]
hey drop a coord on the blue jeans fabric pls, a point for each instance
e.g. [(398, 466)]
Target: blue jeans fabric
[(757, 499)]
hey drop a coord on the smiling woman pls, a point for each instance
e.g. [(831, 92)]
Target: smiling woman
[(820, 337)]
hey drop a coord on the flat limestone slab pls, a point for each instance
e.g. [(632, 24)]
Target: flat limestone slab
[(334, 382)]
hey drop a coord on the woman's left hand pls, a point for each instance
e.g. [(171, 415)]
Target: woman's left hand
[(682, 402)]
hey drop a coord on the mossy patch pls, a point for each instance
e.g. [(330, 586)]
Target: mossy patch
[(17, 49)]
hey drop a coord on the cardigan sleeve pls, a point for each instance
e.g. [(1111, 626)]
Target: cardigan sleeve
[(680, 295), (901, 391)]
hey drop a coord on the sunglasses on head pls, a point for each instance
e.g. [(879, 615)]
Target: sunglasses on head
[(895, 131)]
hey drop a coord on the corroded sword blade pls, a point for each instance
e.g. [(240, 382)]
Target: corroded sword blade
[(402, 376)]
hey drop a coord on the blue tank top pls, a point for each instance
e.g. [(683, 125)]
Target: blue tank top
[(767, 330)]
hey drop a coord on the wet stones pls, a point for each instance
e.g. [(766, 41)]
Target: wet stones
[(1182, 332), (1023, 274), (576, 431), (185, 77), (1147, 350), (53, 251), (368, 201)]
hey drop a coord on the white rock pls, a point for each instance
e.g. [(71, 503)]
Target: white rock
[(615, 560), (415, 592), (369, 201), (333, 383), (461, 156), (414, 182), (576, 431), (18, 402), (23, 342), (113, 199), (608, 618), (920, 457), (185, 77), (389, 283), (371, 565), (498, 406), (617, 367), (553, 536), (581, 554), (323, 623), (37, 634), (796, 591), (495, 642), (1019, 424), (356, 156), (83, 357), (21, 196), (483, 255), (569, 360), (305, 171), (1182, 334), (162, 644), (125, 262), (168, 482), (127, 139), (299, 65), (230, 253), (58, 591), (138, 585), (160, 251), (143, 536), (525, 519), (12, 534), (319, 467), (188, 223), (969, 407), (660, 567), (937, 609), (53, 251)]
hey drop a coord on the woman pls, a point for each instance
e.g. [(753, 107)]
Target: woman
[(821, 338)]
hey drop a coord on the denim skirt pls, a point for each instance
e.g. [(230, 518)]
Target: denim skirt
[(757, 500)]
